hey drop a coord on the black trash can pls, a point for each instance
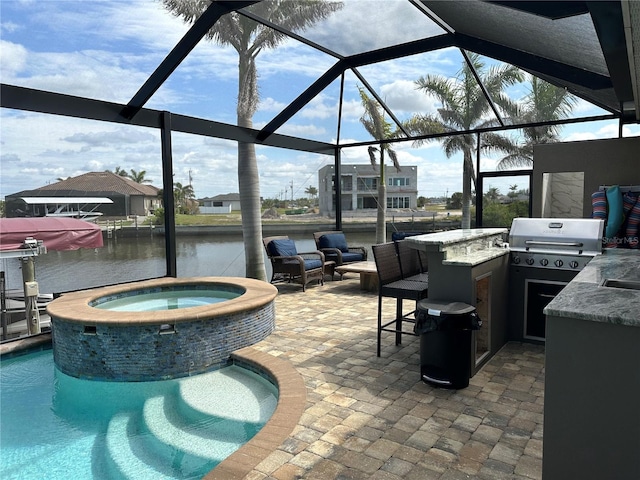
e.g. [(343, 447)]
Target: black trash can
[(445, 330)]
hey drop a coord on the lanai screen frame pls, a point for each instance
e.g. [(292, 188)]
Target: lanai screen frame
[(134, 113)]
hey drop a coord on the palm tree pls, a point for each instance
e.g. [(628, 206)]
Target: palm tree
[(183, 194), (249, 38), (464, 107), (374, 122), (544, 102), (311, 191), (492, 194), (138, 177), (119, 171)]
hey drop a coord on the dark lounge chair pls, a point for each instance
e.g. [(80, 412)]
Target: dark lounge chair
[(335, 248), (289, 265)]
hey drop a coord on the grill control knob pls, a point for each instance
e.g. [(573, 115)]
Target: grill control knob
[(516, 259), (544, 262), (558, 263), (573, 264), (530, 261)]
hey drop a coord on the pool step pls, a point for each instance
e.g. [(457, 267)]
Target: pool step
[(216, 393), (187, 431), (130, 462), (210, 437)]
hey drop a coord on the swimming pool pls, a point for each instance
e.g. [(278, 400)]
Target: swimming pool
[(55, 426)]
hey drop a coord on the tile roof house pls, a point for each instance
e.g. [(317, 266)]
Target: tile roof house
[(129, 198)]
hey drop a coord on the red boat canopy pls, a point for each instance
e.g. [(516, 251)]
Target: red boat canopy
[(56, 233)]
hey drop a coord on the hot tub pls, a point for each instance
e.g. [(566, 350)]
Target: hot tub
[(185, 337)]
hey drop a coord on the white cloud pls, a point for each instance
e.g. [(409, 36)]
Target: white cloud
[(402, 96), (304, 131), (271, 105), (13, 59)]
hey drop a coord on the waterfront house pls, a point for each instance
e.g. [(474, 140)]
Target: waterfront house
[(224, 203), (359, 187), (129, 198)]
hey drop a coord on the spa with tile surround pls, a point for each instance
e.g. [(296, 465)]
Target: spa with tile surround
[(94, 343)]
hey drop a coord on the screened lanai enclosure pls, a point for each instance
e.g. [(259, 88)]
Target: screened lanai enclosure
[(256, 96)]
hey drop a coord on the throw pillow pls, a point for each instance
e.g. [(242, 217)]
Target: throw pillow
[(282, 247), (334, 240), (616, 214), (599, 205), (633, 226)]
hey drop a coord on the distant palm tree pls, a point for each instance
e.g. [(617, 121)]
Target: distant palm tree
[(138, 177), (311, 191), (119, 171), (544, 102), (249, 38), (182, 193), (464, 107), (374, 122)]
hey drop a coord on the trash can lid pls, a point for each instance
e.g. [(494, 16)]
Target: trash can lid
[(445, 307)]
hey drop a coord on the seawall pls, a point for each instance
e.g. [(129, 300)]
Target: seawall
[(273, 228)]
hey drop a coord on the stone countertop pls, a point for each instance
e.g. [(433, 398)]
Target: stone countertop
[(451, 237), (585, 298), (475, 258), (462, 247)]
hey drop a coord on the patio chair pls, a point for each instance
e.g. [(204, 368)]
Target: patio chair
[(335, 248), (391, 284), (292, 266), (412, 264)]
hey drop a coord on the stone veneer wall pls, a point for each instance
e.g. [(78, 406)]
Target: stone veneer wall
[(139, 352)]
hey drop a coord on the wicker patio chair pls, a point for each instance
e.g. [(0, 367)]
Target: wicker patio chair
[(289, 265), (413, 265), (391, 284), (335, 248)]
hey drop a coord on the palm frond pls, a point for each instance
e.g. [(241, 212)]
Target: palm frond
[(372, 156), (394, 158)]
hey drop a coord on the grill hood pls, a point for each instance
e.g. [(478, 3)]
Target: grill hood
[(575, 236)]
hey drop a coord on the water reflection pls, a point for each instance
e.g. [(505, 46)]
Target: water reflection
[(130, 259)]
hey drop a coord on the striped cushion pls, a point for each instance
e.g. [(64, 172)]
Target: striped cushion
[(633, 226), (599, 205)]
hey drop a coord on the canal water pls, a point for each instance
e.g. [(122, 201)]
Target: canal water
[(128, 259)]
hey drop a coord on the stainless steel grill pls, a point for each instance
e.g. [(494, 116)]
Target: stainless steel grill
[(546, 254), (555, 243)]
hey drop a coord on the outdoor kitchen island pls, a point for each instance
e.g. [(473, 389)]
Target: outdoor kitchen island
[(592, 372), (471, 266)]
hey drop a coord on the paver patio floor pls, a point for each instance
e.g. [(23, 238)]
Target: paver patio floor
[(373, 418)]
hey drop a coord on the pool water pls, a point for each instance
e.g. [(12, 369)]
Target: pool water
[(166, 300), (55, 427)]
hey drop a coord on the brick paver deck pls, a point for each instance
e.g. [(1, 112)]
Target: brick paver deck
[(372, 418)]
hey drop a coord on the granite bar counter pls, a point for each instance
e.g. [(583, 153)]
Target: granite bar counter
[(592, 379), (468, 266), (466, 247)]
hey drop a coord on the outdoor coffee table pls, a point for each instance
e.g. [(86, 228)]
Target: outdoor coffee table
[(367, 271)]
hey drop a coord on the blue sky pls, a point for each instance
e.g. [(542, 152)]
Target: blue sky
[(107, 49)]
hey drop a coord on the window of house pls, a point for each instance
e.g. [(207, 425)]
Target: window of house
[(399, 182), (347, 183), (367, 184), (398, 202)]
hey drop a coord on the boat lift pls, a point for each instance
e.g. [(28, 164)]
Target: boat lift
[(26, 238), (83, 208), (30, 248)]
